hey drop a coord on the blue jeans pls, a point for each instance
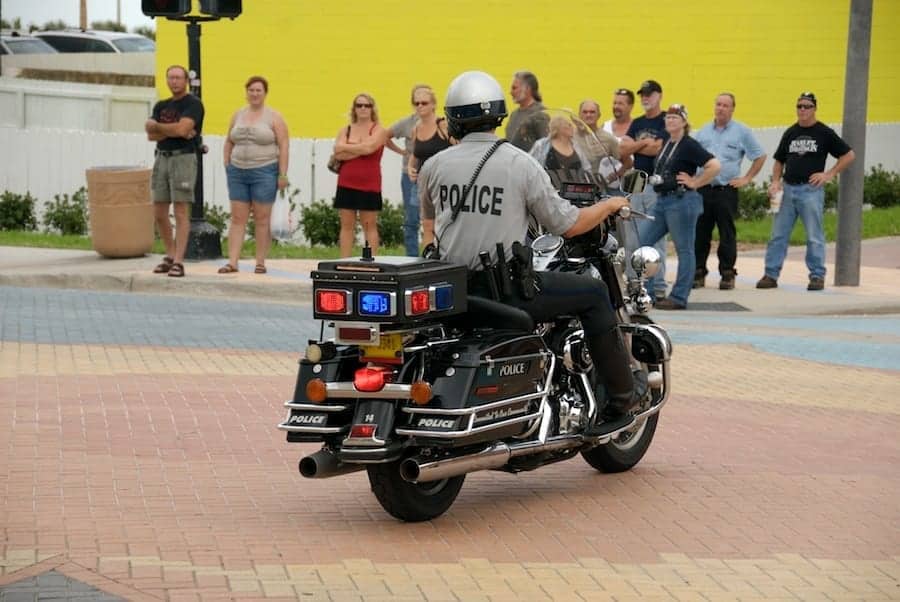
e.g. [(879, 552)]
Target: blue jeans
[(410, 215), (677, 215), (808, 203), (644, 202)]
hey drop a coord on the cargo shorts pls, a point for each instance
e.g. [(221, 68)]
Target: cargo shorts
[(174, 178)]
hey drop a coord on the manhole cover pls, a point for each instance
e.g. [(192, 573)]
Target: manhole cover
[(725, 306), (53, 585)]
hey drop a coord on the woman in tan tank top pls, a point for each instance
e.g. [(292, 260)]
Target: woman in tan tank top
[(256, 162)]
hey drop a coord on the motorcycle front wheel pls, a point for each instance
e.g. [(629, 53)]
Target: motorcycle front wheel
[(412, 502), (626, 450)]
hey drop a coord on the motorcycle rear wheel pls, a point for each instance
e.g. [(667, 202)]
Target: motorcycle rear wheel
[(412, 502), (625, 451)]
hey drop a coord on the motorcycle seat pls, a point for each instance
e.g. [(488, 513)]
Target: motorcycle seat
[(487, 313)]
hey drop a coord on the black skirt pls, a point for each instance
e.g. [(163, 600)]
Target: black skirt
[(357, 200)]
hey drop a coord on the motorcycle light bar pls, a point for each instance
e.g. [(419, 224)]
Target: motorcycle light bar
[(333, 301), (442, 296)]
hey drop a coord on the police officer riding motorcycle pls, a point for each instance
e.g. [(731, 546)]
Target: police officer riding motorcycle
[(469, 359)]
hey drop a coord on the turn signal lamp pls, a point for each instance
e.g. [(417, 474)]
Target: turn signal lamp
[(314, 353), (420, 392), (332, 301), (315, 390)]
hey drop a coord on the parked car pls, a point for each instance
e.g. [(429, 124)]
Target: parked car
[(91, 40), (13, 42)]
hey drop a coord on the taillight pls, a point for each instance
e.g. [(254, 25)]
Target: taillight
[(363, 431), (371, 379), (332, 301)]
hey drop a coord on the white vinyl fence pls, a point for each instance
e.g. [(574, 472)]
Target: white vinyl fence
[(46, 162)]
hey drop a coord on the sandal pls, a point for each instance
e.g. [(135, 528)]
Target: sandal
[(165, 266), (260, 269), (228, 269), (176, 270)]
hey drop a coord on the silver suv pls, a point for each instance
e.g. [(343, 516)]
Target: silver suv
[(13, 42), (90, 40)]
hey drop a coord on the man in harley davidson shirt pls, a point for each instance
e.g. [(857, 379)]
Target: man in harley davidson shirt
[(510, 186), (800, 161)]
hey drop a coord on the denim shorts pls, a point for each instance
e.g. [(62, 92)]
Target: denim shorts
[(257, 184)]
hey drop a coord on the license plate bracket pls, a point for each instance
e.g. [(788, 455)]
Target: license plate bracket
[(389, 349)]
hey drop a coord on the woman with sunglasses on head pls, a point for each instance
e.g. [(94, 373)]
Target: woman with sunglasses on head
[(359, 145), (678, 204), (256, 162), (429, 137)]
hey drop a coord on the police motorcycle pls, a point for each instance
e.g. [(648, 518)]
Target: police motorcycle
[(421, 383)]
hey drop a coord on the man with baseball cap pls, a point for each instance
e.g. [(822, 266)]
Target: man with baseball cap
[(644, 139), (799, 172)]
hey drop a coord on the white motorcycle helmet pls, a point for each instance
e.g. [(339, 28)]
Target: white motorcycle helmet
[(474, 103)]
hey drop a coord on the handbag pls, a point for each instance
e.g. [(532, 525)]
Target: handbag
[(334, 164)]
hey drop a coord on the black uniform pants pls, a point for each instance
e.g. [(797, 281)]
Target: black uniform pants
[(720, 207), (588, 298)]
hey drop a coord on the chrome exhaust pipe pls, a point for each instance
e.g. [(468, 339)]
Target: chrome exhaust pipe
[(416, 471), (324, 464)]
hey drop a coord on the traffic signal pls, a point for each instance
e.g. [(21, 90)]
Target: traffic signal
[(165, 8), (221, 8)]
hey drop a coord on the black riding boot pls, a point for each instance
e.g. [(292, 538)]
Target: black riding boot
[(625, 386)]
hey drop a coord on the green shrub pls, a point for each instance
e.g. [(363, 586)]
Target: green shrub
[(321, 223), (67, 215), (216, 217), (17, 211), (390, 224), (881, 188), (753, 201)]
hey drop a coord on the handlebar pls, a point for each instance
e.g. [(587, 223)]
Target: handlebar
[(626, 212)]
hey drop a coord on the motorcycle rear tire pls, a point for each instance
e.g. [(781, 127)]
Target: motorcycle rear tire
[(412, 502), (619, 455)]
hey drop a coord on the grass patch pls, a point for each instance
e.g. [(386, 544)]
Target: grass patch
[(876, 223)]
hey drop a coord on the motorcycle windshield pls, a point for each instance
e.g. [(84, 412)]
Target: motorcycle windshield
[(569, 148)]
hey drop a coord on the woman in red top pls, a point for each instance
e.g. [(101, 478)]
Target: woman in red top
[(359, 146)]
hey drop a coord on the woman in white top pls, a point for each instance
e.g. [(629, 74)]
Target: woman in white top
[(256, 162)]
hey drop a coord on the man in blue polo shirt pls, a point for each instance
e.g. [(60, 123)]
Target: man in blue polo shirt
[(730, 141)]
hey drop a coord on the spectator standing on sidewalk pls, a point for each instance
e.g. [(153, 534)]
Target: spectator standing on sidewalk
[(644, 139), (602, 147), (175, 126), (623, 103), (403, 128), (800, 162), (529, 122), (256, 161), (729, 141)]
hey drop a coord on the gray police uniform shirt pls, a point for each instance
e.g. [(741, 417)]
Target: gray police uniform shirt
[(510, 187)]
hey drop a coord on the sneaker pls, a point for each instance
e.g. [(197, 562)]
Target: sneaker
[(767, 282), (727, 281), (815, 284), (669, 303)]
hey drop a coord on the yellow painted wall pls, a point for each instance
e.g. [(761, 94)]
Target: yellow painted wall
[(317, 54)]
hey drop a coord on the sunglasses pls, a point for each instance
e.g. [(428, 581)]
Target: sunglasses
[(422, 103), (364, 105), (806, 106)]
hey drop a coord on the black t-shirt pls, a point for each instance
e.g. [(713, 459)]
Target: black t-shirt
[(171, 111), (686, 156), (803, 150), (555, 160), (647, 127)]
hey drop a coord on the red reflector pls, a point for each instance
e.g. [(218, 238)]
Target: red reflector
[(419, 302), (362, 430), (487, 390), (346, 333), (371, 379), (331, 302)]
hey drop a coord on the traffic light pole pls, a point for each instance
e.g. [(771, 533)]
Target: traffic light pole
[(205, 241)]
